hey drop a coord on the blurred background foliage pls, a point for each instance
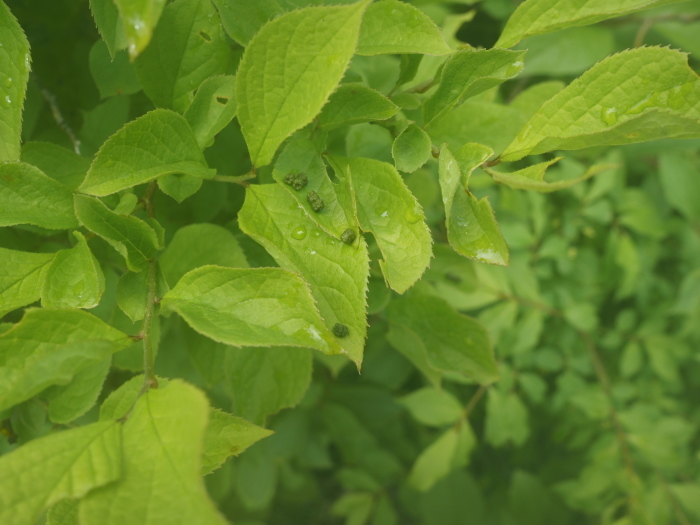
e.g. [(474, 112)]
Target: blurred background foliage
[(595, 323)]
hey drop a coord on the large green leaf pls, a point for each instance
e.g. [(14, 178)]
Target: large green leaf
[(386, 207), (263, 381), (300, 156), (469, 73), (187, 47), (354, 103), (337, 272), (163, 439), (14, 73), (453, 342), (48, 347), (288, 71), (63, 465), (250, 307), (158, 143), (393, 27), (535, 17), (59, 163), (22, 275), (637, 95), (198, 244), (472, 229), (28, 196), (140, 18), (213, 107), (74, 278)]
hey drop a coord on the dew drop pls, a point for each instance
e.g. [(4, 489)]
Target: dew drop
[(316, 233), (676, 100), (8, 82), (6, 101), (382, 212), (299, 233), (412, 216), (609, 115), (330, 241), (514, 68)]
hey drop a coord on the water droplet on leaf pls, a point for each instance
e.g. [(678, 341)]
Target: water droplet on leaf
[(609, 115), (316, 233), (412, 216), (6, 101), (299, 233)]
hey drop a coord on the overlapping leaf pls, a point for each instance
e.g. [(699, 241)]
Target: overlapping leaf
[(337, 272), (213, 107), (288, 71), (140, 18), (638, 95), (158, 143), (250, 307), (59, 163), (354, 103), (22, 276)]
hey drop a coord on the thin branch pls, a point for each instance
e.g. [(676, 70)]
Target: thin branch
[(146, 329), (474, 401), (50, 99), (236, 179), (642, 32)]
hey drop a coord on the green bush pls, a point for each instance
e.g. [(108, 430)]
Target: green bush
[(435, 263)]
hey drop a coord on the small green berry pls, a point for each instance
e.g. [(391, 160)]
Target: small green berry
[(315, 201), (348, 236), (300, 181), (340, 330)]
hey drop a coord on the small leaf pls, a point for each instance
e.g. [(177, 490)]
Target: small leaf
[(506, 419), (28, 196), (179, 186), (393, 27), (468, 73), (162, 448), (140, 18), (472, 229), (14, 73), (535, 17), (250, 307), (132, 293), (196, 245), (188, 46), (433, 407), (435, 462), (354, 103), (288, 71), (22, 276), (158, 143), (133, 238), (387, 209), (453, 342), (411, 149), (227, 436), (48, 347), (109, 24), (638, 95), (59, 163), (114, 75), (66, 464), (337, 272), (74, 278), (71, 401), (242, 19), (213, 107)]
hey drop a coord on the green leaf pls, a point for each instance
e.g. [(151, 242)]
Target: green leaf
[(472, 229), (66, 464), (535, 17), (300, 156), (196, 245), (387, 209), (638, 95), (71, 401), (133, 238), (28, 196), (393, 27), (162, 448), (114, 75), (263, 381), (410, 345), (65, 512), (59, 163), (14, 73), (22, 276), (132, 293), (158, 143), (354, 103), (453, 342), (188, 46), (109, 24), (468, 73), (250, 307), (680, 180), (506, 419), (433, 407), (288, 71), (213, 107), (49, 347), (227, 436), (139, 18), (337, 272), (179, 186), (411, 149), (243, 19), (532, 177), (435, 462), (74, 279)]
